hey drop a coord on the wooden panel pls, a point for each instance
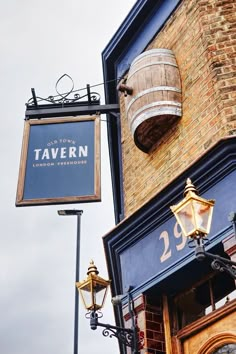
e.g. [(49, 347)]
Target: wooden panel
[(166, 319), (210, 332)]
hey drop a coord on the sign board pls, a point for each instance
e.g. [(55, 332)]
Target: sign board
[(60, 161)]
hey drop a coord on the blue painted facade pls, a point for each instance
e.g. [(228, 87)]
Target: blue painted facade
[(135, 249), (164, 250)]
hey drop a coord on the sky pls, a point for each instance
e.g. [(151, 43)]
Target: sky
[(39, 42)]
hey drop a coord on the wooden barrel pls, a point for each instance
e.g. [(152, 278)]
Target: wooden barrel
[(155, 103)]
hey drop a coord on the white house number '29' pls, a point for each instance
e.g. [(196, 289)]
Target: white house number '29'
[(167, 251)]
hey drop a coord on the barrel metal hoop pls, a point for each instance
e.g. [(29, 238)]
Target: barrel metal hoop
[(150, 114), (131, 73), (158, 105), (153, 89), (153, 52)]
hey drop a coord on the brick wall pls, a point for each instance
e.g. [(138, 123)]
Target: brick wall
[(202, 35), (150, 323)]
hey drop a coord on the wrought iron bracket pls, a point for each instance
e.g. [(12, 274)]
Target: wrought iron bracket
[(50, 111), (71, 103), (219, 263), (127, 336)]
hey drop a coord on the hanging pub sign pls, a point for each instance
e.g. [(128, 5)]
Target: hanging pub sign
[(60, 161)]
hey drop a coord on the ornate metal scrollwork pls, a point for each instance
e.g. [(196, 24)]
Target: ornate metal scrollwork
[(72, 96), (218, 263), (224, 265), (130, 337), (122, 335)]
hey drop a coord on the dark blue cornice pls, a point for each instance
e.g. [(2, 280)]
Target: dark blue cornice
[(143, 22), (206, 173)]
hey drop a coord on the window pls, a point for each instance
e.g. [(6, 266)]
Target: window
[(201, 299), (226, 349)]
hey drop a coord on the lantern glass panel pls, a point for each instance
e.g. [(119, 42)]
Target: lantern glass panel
[(202, 213), (86, 293), (186, 219), (99, 294)]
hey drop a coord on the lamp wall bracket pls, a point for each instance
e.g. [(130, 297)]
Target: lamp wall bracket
[(127, 336)]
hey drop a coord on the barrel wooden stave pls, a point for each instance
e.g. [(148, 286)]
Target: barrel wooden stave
[(155, 103)]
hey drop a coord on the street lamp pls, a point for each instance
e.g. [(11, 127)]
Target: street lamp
[(93, 291), (194, 215), (78, 213)]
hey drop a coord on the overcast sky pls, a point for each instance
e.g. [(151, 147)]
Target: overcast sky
[(39, 42)]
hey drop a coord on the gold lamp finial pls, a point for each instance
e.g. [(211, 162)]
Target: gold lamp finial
[(190, 187), (92, 269)]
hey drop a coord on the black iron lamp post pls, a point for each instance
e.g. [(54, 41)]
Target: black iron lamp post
[(77, 213), (194, 215), (93, 291)]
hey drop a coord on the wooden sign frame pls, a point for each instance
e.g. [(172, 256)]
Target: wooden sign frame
[(67, 159)]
